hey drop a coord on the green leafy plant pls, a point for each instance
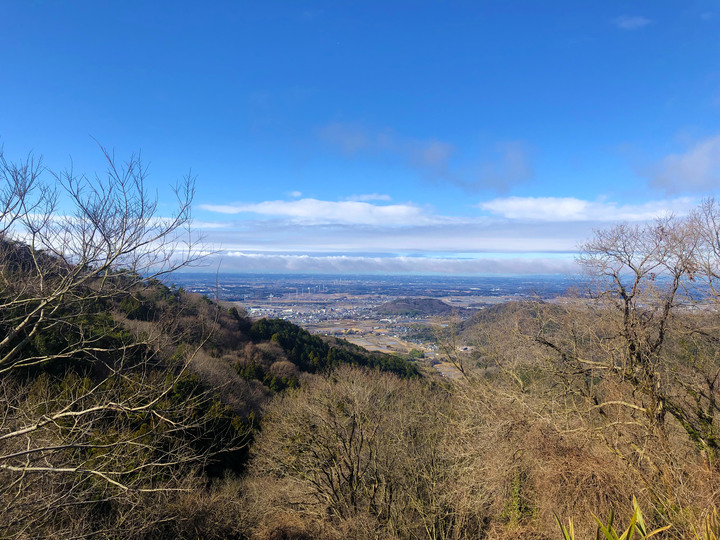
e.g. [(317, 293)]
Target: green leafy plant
[(569, 532), (636, 526), (711, 527)]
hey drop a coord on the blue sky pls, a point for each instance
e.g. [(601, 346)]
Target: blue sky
[(423, 136)]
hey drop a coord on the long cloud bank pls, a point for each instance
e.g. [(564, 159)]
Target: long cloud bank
[(529, 235), (253, 262), (549, 209)]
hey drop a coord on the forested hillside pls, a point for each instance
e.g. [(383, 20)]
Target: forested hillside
[(160, 387), (125, 401), (132, 409), (413, 307)]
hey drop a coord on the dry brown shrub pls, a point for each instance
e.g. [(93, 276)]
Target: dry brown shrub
[(283, 368), (219, 375), (211, 514), (357, 452), (271, 352), (261, 354), (518, 468), (271, 509)]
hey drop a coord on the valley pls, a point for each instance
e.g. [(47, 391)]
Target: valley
[(391, 314)]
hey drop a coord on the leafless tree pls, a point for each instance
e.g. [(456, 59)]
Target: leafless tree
[(361, 448), (86, 414), (109, 241), (643, 327)]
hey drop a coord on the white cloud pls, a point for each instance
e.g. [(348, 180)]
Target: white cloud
[(260, 262), (369, 197), (554, 209), (470, 236), (631, 22), (352, 139), (431, 156), (209, 224), (523, 235), (338, 212), (513, 165), (295, 194), (508, 164), (698, 169)]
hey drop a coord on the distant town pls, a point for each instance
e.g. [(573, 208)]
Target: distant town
[(394, 314)]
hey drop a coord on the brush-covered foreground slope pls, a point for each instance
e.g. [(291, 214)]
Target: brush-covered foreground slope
[(141, 411), (116, 393), (525, 435)]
